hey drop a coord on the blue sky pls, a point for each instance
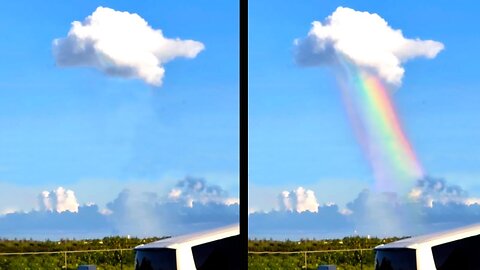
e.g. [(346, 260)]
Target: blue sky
[(95, 134), (299, 134)]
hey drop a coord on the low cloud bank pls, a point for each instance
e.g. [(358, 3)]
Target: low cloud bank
[(201, 206), (431, 206)]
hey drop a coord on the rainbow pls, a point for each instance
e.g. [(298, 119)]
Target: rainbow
[(377, 127)]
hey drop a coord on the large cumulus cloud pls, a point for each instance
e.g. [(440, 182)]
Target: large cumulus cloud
[(365, 39), (59, 200), (121, 44), (298, 200)]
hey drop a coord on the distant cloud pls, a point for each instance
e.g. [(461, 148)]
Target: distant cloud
[(382, 214), (85, 223), (394, 215), (191, 189), (138, 212), (58, 200), (327, 222), (431, 206), (298, 200), (121, 44), (192, 203), (198, 206), (430, 189), (365, 39)]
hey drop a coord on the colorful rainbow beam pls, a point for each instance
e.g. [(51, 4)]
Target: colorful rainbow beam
[(377, 127)]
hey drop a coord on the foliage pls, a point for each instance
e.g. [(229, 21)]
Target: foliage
[(346, 260), (108, 260), (124, 260)]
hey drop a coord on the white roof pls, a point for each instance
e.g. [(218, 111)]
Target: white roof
[(194, 239), (434, 239)]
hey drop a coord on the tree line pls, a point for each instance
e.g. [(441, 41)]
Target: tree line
[(124, 259), (348, 260), (121, 259)]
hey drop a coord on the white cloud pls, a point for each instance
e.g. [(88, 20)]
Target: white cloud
[(472, 201), (8, 211), (284, 201), (231, 201), (59, 200), (345, 211), (196, 190), (299, 200), (175, 194), (105, 211), (365, 39), (121, 44), (44, 201), (430, 190)]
